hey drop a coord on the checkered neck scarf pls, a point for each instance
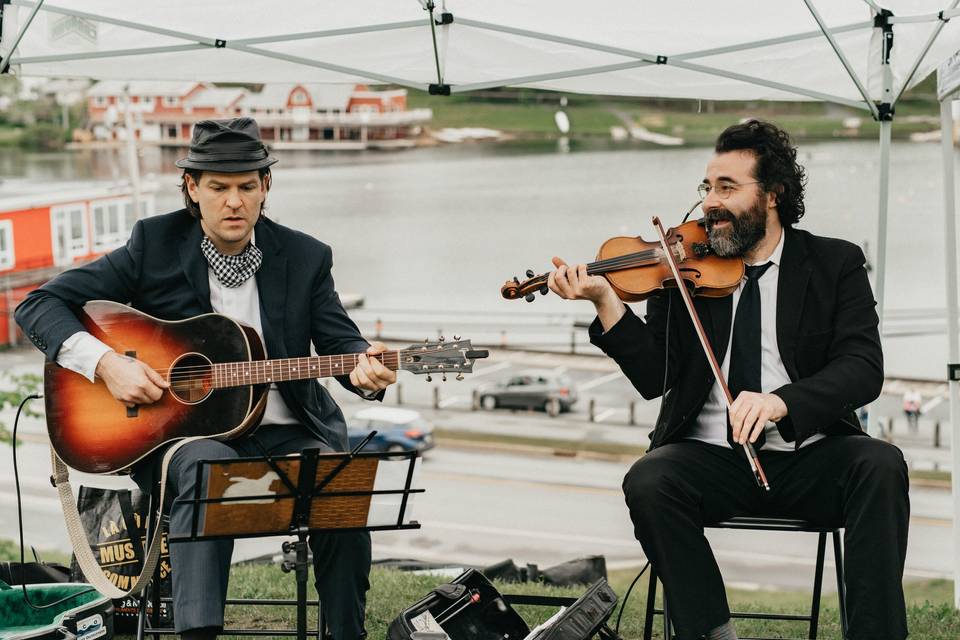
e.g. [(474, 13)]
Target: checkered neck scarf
[(232, 271)]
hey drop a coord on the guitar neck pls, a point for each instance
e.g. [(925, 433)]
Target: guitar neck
[(235, 374)]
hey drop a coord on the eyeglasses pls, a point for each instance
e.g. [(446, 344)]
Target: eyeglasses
[(723, 190)]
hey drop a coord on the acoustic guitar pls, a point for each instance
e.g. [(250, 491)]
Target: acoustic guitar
[(218, 375)]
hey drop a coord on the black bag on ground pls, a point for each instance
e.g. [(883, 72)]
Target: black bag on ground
[(14, 573), (470, 608), (585, 618), (114, 522), (573, 572), (467, 608)]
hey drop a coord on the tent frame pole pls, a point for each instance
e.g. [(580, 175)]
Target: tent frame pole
[(5, 62), (843, 58), (116, 53), (923, 52), (953, 321)]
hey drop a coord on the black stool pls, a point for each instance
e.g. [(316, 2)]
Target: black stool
[(767, 524)]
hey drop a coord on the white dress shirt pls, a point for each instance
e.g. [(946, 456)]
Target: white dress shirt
[(711, 424)]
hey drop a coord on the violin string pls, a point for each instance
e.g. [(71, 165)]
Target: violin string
[(610, 264)]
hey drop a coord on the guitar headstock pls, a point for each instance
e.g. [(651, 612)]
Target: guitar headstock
[(514, 289), (455, 357)]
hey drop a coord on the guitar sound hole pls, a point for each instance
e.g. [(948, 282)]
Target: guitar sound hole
[(191, 378)]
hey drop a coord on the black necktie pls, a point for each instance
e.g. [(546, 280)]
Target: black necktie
[(746, 352)]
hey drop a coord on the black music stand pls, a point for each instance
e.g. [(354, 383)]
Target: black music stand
[(341, 486)]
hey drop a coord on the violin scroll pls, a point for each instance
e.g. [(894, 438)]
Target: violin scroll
[(514, 289)]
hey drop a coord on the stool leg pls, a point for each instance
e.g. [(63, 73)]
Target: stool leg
[(817, 584), (667, 631), (651, 603), (841, 584)]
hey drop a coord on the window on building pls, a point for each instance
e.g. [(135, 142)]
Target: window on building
[(100, 101), (113, 220), (299, 98), (70, 236), (172, 131), (146, 99), (7, 258), (170, 101)]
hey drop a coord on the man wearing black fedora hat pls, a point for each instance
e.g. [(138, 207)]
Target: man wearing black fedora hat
[(220, 253)]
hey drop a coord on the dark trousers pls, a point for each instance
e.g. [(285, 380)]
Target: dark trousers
[(855, 482), (201, 570)]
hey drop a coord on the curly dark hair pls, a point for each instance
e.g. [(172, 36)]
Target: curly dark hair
[(776, 169), (194, 208)]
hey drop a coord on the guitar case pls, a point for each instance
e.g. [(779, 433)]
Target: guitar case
[(470, 608), (88, 616)]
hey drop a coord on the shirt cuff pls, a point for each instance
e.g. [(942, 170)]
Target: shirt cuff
[(81, 352)]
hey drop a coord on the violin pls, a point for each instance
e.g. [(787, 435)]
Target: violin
[(636, 269)]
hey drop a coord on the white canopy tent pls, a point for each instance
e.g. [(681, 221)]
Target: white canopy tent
[(859, 53)]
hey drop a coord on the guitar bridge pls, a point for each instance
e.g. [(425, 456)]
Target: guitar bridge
[(133, 411)]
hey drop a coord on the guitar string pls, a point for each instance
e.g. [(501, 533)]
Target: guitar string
[(286, 363), (188, 376)]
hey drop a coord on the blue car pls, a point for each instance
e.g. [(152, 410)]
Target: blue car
[(397, 430)]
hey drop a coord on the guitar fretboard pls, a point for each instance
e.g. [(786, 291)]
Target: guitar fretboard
[(235, 374)]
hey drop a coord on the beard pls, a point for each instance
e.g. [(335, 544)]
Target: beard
[(741, 235)]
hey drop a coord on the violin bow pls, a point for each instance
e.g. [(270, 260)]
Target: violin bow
[(752, 458)]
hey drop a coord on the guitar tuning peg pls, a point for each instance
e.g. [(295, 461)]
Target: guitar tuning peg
[(426, 341), (530, 273), (529, 297), (442, 338), (544, 289), (429, 378), (444, 378), (516, 280), (456, 338), (459, 377)]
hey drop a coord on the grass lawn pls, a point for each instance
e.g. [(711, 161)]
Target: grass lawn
[(930, 612)]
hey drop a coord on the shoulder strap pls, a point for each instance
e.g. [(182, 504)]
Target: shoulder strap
[(78, 538)]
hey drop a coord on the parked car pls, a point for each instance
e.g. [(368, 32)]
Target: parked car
[(397, 429), (533, 389)]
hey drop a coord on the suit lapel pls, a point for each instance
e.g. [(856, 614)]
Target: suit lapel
[(272, 284), (791, 290), (195, 266)]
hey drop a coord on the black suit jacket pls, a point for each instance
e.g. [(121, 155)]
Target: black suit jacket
[(827, 334), (162, 271)]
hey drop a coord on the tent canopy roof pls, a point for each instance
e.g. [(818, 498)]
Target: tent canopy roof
[(727, 50)]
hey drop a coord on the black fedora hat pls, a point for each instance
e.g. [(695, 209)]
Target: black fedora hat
[(227, 146)]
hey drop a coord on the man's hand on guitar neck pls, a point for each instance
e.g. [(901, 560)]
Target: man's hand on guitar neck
[(130, 381), (370, 374)]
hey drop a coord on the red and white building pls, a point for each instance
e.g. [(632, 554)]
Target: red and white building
[(47, 228), (311, 116)]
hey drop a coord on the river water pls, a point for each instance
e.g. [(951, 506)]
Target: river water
[(438, 230)]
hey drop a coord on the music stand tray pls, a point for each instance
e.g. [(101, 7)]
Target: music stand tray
[(299, 494)]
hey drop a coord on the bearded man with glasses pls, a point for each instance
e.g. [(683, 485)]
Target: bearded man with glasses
[(799, 344)]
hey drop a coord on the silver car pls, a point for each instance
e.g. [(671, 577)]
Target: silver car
[(533, 389)]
